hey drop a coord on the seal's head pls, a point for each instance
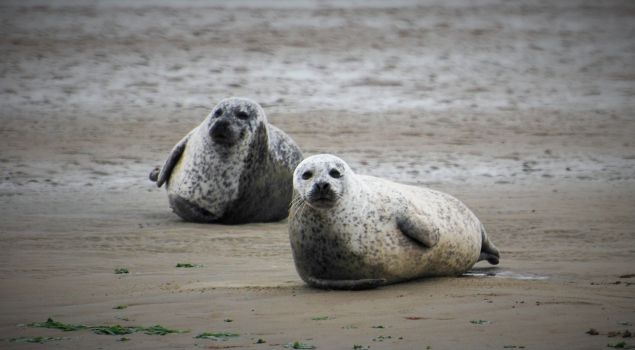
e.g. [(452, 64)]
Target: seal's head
[(321, 180), (234, 121)]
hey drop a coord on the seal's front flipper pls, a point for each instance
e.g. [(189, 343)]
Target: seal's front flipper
[(415, 227), (173, 158), (368, 283), (489, 251)]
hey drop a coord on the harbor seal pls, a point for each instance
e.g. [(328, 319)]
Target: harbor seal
[(233, 168), (350, 231)]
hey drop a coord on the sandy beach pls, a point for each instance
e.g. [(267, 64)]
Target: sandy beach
[(523, 110)]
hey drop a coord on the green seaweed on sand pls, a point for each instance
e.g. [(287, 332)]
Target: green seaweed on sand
[(320, 318), (50, 323), (121, 270), (160, 330), (299, 345), (105, 330), (38, 340), (115, 330), (480, 322), (217, 335), (120, 307), (381, 338), (187, 265)]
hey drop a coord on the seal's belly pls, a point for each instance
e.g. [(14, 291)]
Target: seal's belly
[(199, 179), (381, 250), (401, 257)]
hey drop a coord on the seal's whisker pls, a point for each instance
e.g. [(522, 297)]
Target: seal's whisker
[(297, 206), (296, 200), (301, 208), (294, 209)]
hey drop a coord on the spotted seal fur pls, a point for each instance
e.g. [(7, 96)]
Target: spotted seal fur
[(233, 168), (350, 231)]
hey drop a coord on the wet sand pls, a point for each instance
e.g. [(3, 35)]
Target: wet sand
[(523, 111)]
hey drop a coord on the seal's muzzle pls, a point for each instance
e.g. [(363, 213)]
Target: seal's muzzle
[(222, 133), (321, 195)]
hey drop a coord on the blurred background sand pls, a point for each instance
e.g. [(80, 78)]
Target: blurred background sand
[(524, 110)]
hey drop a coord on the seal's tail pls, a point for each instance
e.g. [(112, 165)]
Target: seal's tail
[(154, 174), (489, 251), (368, 283)]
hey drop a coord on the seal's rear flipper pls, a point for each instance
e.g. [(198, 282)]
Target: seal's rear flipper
[(368, 283), (489, 251), (492, 259), (154, 174)]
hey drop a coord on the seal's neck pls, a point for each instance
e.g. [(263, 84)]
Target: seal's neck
[(356, 196)]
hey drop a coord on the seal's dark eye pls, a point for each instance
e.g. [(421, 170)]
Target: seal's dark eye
[(218, 113), (307, 175), (242, 115), (335, 174)]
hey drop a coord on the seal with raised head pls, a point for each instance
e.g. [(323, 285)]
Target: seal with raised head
[(233, 168), (350, 231)]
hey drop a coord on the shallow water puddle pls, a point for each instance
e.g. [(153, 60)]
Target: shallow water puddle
[(502, 273)]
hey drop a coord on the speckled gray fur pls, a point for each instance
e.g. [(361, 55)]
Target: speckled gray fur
[(375, 231), (240, 174)]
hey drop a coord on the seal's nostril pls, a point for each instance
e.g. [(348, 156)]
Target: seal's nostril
[(219, 126), (220, 130), (222, 123), (323, 186)]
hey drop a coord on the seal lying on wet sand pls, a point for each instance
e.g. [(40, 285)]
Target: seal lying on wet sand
[(351, 231), (233, 168)]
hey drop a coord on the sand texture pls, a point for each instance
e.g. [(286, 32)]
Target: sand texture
[(523, 110)]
